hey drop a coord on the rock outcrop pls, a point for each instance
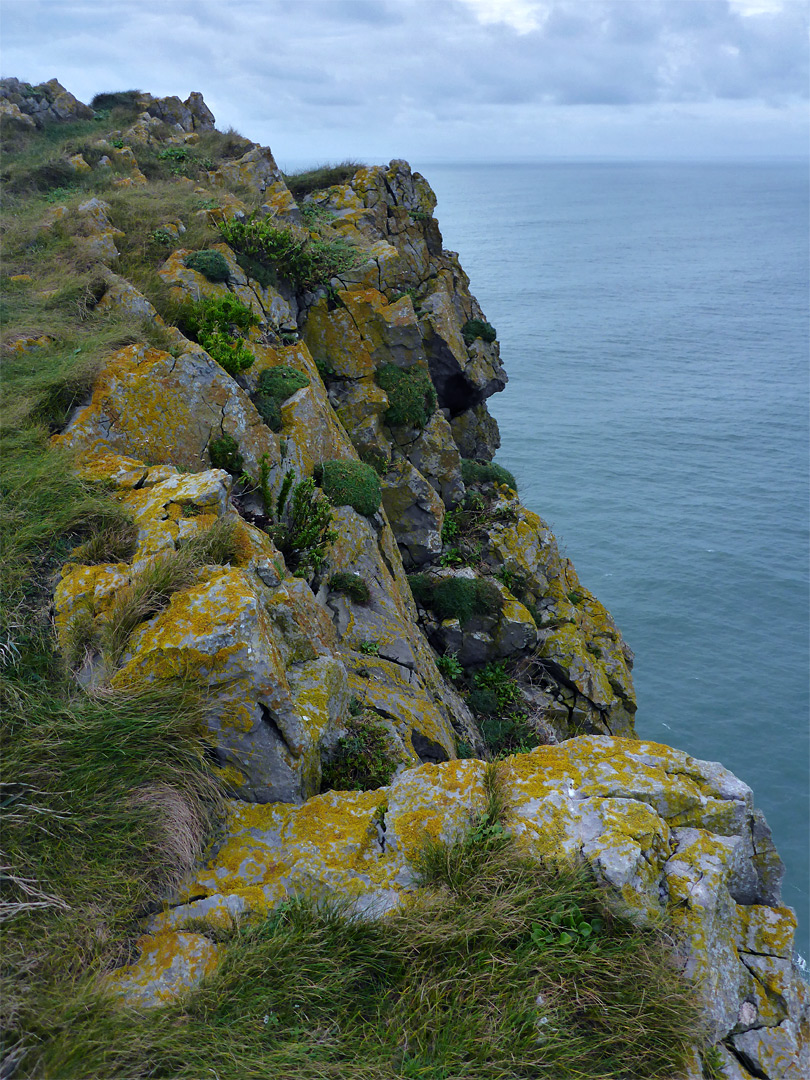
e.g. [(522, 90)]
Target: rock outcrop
[(443, 616)]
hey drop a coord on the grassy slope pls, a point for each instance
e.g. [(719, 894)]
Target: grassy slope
[(106, 798)]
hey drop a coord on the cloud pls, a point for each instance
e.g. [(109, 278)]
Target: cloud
[(466, 75)]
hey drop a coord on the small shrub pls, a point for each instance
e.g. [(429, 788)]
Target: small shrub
[(274, 386), (302, 532), (351, 483), (300, 259), (361, 760), (411, 395), (351, 585), (211, 264), (485, 472), (575, 597), (224, 454), (421, 586), (449, 666), (478, 328)]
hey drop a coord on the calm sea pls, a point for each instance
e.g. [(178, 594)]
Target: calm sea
[(654, 323)]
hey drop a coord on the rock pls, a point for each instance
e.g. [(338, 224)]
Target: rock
[(435, 455), (170, 965), (45, 103), (415, 512), (12, 117), (476, 433)]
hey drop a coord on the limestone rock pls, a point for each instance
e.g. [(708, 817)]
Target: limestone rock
[(476, 433), (415, 512), (170, 965)]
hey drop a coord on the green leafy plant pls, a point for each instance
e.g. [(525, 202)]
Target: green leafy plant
[(370, 648), (361, 759), (218, 323), (711, 1061), (411, 395), (485, 472), (273, 388), (567, 926), (575, 597), (449, 666), (457, 597), (497, 699), (477, 328), (351, 483), (224, 454), (351, 585), (302, 531), (419, 215), (211, 264)]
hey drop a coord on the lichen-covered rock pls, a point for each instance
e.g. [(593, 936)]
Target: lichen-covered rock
[(476, 433), (667, 835), (415, 511), (44, 103), (169, 966)]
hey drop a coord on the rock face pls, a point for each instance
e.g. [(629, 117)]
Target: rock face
[(392, 361)]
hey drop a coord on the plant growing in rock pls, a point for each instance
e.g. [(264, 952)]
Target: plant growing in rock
[(485, 472), (324, 176), (457, 597), (302, 531), (351, 483), (224, 454), (466, 528), (274, 386), (294, 256), (361, 759), (498, 701), (370, 648), (478, 328), (449, 666), (219, 324), (211, 264), (351, 585), (411, 395)]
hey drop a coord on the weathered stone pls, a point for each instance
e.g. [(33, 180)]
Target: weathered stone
[(415, 512), (170, 965), (436, 457), (476, 433)]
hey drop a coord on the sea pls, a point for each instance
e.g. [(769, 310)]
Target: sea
[(653, 320)]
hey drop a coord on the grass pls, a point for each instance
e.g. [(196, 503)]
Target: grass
[(472, 979), (456, 597), (351, 585), (478, 328), (486, 472), (322, 177)]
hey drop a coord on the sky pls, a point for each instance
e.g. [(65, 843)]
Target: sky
[(446, 80)]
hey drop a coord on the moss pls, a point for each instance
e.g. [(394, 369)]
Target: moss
[(485, 472), (478, 328), (275, 385), (361, 759), (351, 585), (211, 264), (224, 454), (351, 483), (411, 395)]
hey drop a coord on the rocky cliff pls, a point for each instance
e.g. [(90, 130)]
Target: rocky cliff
[(320, 540)]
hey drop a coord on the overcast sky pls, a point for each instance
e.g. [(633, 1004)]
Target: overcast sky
[(446, 80)]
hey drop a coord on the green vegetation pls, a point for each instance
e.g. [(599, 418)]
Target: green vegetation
[(304, 260), (497, 700), (361, 759), (211, 264), (456, 597), (449, 666), (218, 323), (302, 531), (351, 585), (370, 648), (466, 529), (485, 472), (460, 984), (274, 386), (411, 395), (224, 454), (318, 179), (478, 328), (351, 483)]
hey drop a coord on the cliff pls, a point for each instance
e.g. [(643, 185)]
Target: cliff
[(275, 390)]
